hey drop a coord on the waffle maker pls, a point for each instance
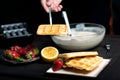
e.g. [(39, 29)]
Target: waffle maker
[(15, 34)]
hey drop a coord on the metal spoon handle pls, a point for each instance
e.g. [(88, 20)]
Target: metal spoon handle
[(50, 16), (67, 22)]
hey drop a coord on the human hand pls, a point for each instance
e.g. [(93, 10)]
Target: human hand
[(54, 4)]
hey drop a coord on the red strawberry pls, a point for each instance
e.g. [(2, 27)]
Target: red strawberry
[(30, 54), (13, 55), (58, 64), (19, 49), (29, 47)]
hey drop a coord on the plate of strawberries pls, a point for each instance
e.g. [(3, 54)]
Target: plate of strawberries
[(17, 54)]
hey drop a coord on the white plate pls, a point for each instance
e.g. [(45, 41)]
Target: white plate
[(93, 73)]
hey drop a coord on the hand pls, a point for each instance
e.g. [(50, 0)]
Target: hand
[(54, 4)]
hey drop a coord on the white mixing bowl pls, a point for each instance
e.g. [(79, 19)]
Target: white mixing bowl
[(84, 36)]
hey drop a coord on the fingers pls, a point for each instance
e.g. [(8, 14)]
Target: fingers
[(44, 5), (57, 9), (55, 5)]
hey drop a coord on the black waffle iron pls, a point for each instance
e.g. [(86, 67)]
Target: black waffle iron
[(15, 34)]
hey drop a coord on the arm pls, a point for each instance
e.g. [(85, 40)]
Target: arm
[(54, 4)]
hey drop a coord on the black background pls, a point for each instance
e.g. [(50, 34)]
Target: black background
[(31, 11)]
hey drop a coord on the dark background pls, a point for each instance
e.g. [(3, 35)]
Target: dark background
[(94, 11), (31, 11)]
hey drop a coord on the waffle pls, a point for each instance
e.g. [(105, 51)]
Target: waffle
[(66, 56), (88, 63), (55, 29)]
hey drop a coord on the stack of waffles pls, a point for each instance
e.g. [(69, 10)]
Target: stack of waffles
[(87, 61)]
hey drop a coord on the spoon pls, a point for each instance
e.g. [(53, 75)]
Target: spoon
[(67, 22)]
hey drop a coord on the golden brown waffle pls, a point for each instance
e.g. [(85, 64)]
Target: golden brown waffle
[(55, 29), (88, 63), (66, 56)]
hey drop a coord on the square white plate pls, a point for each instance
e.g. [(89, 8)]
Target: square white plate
[(93, 73)]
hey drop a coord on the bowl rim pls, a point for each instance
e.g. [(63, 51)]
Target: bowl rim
[(88, 23), (102, 32)]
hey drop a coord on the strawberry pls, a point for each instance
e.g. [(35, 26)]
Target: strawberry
[(19, 49), (36, 51), (30, 54), (13, 55), (29, 47), (58, 64)]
